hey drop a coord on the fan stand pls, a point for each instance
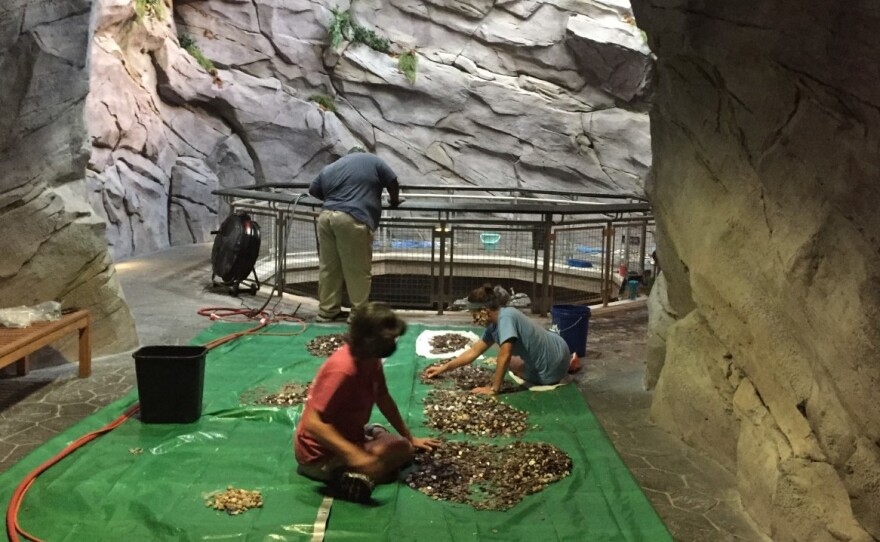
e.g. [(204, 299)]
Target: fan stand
[(234, 255), (234, 287)]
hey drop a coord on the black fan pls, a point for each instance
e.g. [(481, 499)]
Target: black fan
[(236, 247)]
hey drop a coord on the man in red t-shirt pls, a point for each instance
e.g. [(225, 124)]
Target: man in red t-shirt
[(332, 443)]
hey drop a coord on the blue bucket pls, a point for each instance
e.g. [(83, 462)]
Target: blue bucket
[(632, 287), (490, 240), (572, 322)]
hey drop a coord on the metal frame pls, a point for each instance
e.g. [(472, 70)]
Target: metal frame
[(451, 215)]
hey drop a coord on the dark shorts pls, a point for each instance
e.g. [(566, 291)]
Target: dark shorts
[(321, 470)]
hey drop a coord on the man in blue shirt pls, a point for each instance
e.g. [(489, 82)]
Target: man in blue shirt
[(351, 189), (534, 354)]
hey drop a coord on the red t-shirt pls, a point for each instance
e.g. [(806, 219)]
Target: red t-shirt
[(343, 393)]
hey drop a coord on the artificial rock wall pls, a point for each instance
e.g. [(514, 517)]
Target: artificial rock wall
[(766, 327), (114, 135), (53, 245), (514, 94)]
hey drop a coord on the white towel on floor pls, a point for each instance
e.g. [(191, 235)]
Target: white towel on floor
[(565, 380), (424, 348)]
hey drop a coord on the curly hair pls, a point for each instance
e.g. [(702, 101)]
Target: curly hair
[(372, 328), (492, 297)]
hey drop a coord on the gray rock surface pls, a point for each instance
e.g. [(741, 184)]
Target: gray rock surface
[(499, 100), (53, 244), (765, 173)]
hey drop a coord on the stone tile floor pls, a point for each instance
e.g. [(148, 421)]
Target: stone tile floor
[(695, 497)]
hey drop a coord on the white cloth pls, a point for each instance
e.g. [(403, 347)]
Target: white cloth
[(424, 348), (565, 380)]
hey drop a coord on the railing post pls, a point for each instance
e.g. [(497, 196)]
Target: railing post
[(545, 273), (439, 294), (280, 251), (642, 248), (607, 263)]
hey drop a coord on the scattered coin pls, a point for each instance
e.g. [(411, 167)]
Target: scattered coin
[(235, 501), (467, 377), (488, 476), (291, 394), (325, 345), (449, 342), (451, 411)]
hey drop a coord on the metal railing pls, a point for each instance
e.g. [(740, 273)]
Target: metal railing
[(548, 247)]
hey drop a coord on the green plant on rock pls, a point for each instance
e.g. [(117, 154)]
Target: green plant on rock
[(324, 101), (188, 44), (152, 8), (370, 39), (342, 27), (407, 65), (186, 41)]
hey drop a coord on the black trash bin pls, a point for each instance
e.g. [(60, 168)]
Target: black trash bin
[(170, 381)]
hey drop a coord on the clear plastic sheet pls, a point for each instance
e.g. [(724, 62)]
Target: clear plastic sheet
[(23, 316)]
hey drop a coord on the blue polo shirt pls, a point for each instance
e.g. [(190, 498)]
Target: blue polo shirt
[(353, 184)]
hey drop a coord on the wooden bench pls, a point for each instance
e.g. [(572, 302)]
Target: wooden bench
[(16, 344)]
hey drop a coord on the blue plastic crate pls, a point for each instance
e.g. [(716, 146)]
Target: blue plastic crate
[(579, 263), (410, 244), (490, 240)]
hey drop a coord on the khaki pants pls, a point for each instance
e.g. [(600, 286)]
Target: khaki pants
[(346, 255)]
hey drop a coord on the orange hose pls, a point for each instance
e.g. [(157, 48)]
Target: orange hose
[(13, 529), (12, 526)]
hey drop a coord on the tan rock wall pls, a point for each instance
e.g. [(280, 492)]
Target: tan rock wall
[(53, 245), (766, 162)]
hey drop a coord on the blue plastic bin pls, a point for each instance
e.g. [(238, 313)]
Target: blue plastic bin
[(632, 288), (490, 240), (579, 263), (410, 244), (572, 322)]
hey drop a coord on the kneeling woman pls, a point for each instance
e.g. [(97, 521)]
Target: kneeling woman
[(538, 356)]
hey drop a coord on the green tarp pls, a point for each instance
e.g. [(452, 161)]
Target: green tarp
[(149, 482)]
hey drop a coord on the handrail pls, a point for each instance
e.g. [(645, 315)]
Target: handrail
[(486, 204), (597, 195), (538, 225)]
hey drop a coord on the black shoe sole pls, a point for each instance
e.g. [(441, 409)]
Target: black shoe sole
[(355, 487)]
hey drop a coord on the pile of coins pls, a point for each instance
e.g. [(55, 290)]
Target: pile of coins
[(451, 411), (449, 342), (325, 345), (488, 476), (235, 501), (291, 394), (467, 377)]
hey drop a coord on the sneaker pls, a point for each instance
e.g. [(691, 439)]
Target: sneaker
[(371, 429), (341, 315), (354, 487), (575, 364)]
